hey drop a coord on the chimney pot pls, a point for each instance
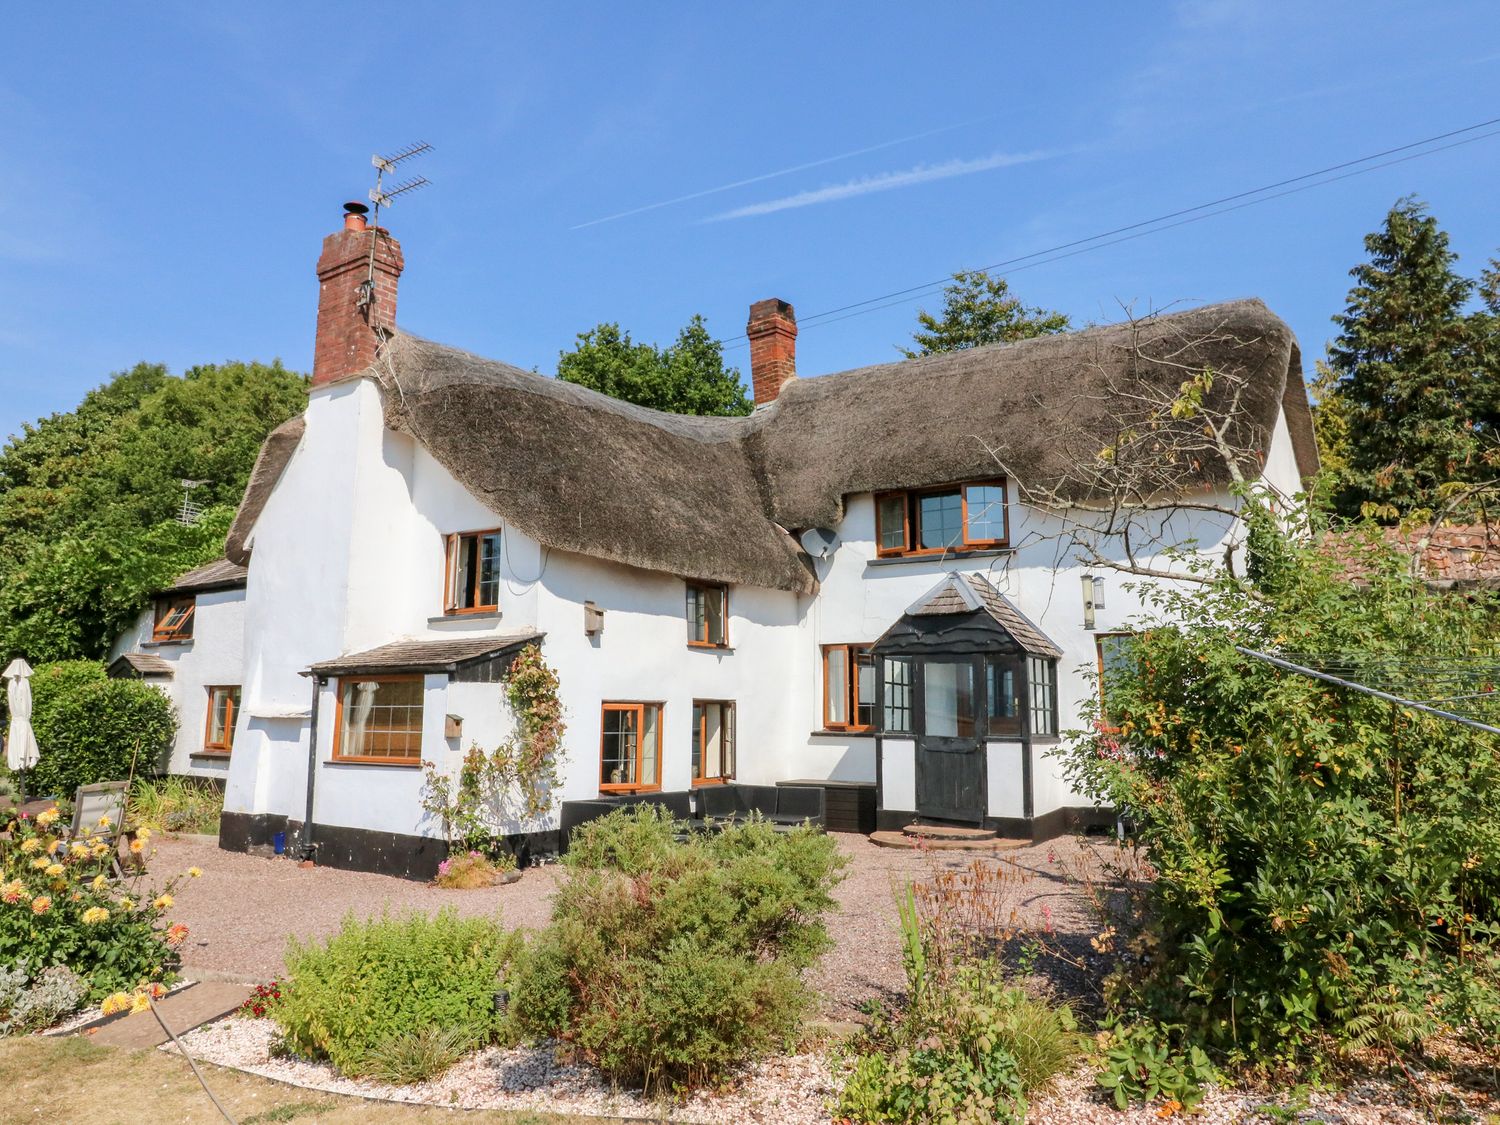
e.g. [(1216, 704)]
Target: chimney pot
[(773, 348), (354, 215)]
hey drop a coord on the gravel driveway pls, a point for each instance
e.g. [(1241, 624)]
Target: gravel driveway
[(243, 908)]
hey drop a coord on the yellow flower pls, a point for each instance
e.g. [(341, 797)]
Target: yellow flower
[(99, 883), (144, 833), (40, 862), (31, 844), (78, 848), (41, 904), (137, 847), (52, 846), (94, 915), (11, 892), (115, 1002), (194, 872), (163, 903), (140, 1004), (127, 904), (100, 850), (54, 870), (104, 822), (47, 816)]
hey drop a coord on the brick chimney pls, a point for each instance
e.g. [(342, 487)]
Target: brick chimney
[(353, 316), (773, 348)]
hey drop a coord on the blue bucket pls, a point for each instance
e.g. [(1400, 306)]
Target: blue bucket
[(278, 843)]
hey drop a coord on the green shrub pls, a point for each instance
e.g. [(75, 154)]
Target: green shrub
[(349, 998), (667, 964), (417, 1056), (91, 728), (1139, 1066), (176, 804), (1327, 864), (60, 905), (968, 1048)]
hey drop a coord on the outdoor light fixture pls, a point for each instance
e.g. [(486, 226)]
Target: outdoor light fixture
[(1093, 598)]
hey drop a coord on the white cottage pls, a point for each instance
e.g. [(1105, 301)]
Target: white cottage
[(845, 588)]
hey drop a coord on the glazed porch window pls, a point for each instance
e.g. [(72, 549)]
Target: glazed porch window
[(848, 688), (174, 619), (713, 741), (897, 696), (223, 710), (630, 747), (379, 720), (1043, 680), (970, 516), (707, 615), (1115, 658), (1002, 687), (948, 698), (473, 582)]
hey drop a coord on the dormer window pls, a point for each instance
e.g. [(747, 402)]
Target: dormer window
[(473, 573), (174, 618), (961, 517), (707, 615)]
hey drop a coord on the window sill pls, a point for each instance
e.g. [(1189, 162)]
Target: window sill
[(941, 556), (696, 647), (842, 734), (172, 642), (397, 763), (477, 615), (710, 782), (627, 790), (209, 756)]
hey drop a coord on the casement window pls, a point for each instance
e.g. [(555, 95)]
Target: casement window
[(960, 517), (898, 686), (1042, 677), (1115, 658), (473, 572), (848, 688), (1003, 695), (223, 711), (713, 741), (379, 720), (174, 619), (630, 747), (707, 615)]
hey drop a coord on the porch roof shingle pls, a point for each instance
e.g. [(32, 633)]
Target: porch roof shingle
[(443, 655)]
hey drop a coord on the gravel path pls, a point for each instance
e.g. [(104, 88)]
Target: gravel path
[(243, 908)]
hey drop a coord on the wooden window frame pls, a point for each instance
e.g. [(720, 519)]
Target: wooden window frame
[(730, 711), (911, 530), (639, 707), (231, 715), (703, 641), (338, 721), (452, 543), (911, 696), (165, 607), (851, 701), (1032, 664), (1105, 726)]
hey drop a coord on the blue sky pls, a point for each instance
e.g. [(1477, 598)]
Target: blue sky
[(170, 168)]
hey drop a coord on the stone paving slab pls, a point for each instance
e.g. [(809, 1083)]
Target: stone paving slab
[(182, 1011), (903, 840)]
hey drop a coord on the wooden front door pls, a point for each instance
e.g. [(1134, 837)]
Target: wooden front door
[(950, 753)]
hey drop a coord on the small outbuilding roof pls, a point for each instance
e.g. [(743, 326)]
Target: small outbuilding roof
[(720, 499), (139, 665), (221, 574), (448, 654)]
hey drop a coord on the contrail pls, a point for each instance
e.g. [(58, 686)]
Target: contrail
[(882, 181), (773, 175)]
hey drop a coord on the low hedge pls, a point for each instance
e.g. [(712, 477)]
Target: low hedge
[(90, 728)]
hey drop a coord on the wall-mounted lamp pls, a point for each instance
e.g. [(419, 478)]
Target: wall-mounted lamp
[(593, 619), (1093, 598)]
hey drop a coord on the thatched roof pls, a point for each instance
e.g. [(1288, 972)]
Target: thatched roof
[(716, 498), (274, 455)]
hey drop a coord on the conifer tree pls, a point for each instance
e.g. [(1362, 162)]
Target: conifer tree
[(979, 309), (1406, 377)]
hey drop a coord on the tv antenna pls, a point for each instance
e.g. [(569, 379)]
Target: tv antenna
[(191, 509), (382, 196)]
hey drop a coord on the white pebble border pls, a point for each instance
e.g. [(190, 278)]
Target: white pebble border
[(788, 1090)]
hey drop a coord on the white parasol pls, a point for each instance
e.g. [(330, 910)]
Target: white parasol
[(20, 750)]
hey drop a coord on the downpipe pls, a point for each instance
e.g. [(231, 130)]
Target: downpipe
[(307, 853)]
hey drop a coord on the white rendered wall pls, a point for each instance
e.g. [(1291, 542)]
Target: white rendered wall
[(214, 657), (1005, 779)]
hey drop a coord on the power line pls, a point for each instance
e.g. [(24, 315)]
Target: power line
[(1160, 222)]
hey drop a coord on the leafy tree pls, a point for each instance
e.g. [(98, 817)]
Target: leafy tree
[(979, 309), (688, 377), (88, 497), (1407, 374)]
